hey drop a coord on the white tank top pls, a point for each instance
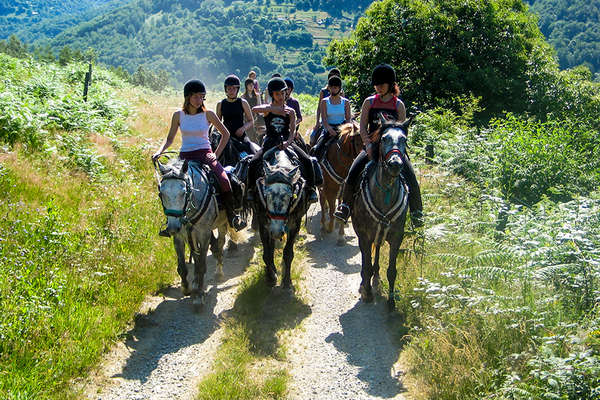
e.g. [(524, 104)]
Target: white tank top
[(194, 131), (336, 113)]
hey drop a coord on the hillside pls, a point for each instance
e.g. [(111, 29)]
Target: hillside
[(573, 28), (32, 20), (213, 38)]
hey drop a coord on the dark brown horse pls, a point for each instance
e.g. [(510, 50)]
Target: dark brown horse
[(336, 163), (379, 211)]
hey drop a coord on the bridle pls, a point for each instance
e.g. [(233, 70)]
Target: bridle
[(297, 193)]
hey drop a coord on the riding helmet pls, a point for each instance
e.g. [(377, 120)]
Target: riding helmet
[(289, 82), (383, 73), (193, 86), (231, 80), (276, 85), (335, 81)]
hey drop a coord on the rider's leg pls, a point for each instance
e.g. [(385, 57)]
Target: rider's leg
[(309, 173), (319, 148), (343, 211), (235, 221), (415, 202)]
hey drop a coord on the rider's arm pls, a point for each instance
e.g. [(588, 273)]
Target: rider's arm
[(364, 121), (401, 111), (292, 113), (348, 111), (170, 136), (219, 115), (249, 118), (319, 109), (262, 109), (212, 118)]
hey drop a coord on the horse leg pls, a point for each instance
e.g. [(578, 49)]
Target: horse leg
[(181, 266), (268, 254), (323, 202), (288, 256), (366, 273), (201, 246), (331, 206), (392, 272), (218, 252), (376, 278)]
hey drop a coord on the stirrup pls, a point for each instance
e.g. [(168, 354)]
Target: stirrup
[(342, 212), (164, 233), (416, 219)]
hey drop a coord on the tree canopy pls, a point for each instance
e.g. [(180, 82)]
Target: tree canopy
[(447, 49)]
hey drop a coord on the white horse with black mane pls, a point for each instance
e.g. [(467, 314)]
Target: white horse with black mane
[(189, 201)]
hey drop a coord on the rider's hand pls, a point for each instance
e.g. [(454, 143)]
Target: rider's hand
[(239, 132), (156, 155)]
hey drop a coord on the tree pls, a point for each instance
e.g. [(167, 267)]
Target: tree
[(444, 49)]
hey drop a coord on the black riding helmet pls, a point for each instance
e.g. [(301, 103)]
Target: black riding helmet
[(276, 85), (289, 82), (231, 80), (383, 73), (193, 86), (335, 81)]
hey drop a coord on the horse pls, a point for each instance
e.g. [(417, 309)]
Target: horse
[(380, 205), (340, 154), (281, 204), (190, 204)]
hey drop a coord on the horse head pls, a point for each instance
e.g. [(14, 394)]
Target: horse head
[(281, 190), (174, 193), (392, 146)]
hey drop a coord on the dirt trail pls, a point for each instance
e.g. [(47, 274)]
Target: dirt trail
[(171, 347), (344, 349)]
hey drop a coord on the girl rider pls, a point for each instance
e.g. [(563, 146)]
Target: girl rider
[(233, 110), (281, 129), (385, 100), (324, 92), (335, 110), (193, 121), (256, 133)]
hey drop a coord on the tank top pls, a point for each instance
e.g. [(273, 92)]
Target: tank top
[(278, 130), (336, 113), (389, 107), (233, 115), (194, 131)]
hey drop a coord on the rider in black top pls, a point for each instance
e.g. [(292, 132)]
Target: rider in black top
[(278, 119), (386, 102), (233, 110)]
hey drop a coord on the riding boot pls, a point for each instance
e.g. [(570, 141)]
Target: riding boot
[(164, 233), (318, 149), (235, 221), (344, 210), (415, 203)]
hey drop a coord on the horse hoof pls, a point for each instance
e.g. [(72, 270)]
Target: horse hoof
[(233, 247), (376, 284), (340, 242), (185, 290), (364, 295), (391, 305), (271, 281), (219, 276), (289, 288)]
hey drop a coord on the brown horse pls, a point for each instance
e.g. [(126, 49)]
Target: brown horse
[(336, 163)]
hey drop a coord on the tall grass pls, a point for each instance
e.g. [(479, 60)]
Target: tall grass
[(78, 239), (509, 314)]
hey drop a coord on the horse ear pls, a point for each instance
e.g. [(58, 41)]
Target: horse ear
[(184, 167), (408, 122), (163, 170)]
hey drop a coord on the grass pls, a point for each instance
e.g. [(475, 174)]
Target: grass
[(250, 363)]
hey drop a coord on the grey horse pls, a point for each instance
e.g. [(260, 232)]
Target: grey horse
[(281, 204), (379, 211), (190, 204)]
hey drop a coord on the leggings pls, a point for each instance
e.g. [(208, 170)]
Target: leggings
[(206, 156)]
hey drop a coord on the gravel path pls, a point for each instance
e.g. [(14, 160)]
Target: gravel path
[(171, 347), (344, 349)]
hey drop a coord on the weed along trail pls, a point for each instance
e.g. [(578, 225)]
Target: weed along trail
[(171, 345), (344, 349)]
